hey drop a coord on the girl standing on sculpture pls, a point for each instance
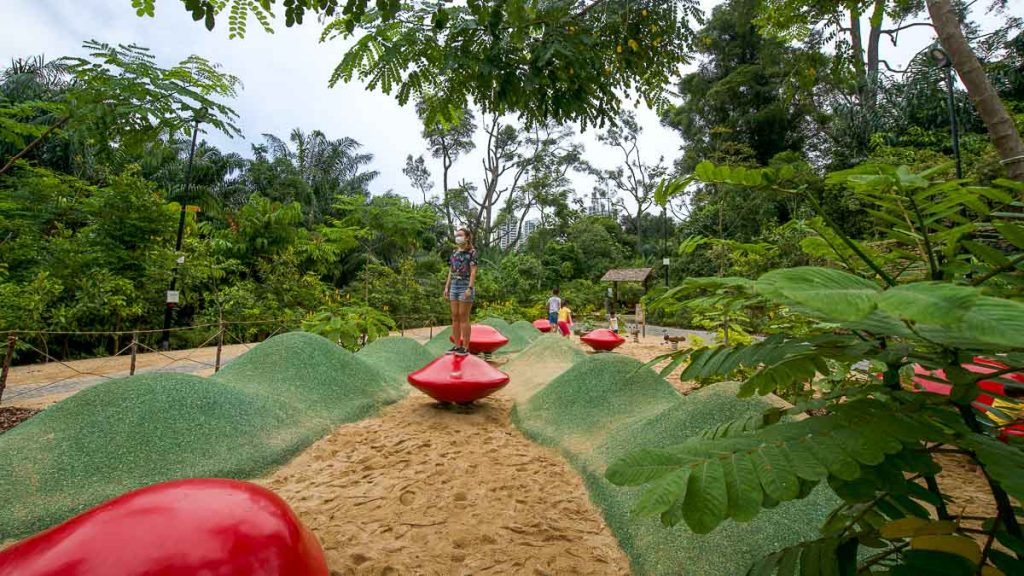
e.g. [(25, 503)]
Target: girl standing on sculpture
[(459, 291)]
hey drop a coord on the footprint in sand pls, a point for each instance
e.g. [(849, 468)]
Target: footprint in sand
[(407, 498)]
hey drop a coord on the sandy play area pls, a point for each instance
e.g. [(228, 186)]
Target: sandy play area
[(425, 490)]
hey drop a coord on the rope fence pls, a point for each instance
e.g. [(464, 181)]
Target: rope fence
[(194, 356)]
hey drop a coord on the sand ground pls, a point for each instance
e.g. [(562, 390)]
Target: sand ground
[(425, 490)]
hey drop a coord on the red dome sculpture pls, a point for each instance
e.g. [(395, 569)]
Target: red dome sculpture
[(603, 340), (542, 324), (201, 526), (924, 379), (483, 339), (461, 379)]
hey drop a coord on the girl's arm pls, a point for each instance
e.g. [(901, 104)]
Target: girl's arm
[(448, 282), (472, 276)]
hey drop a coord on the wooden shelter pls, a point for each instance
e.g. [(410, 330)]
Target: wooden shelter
[(616, 275)]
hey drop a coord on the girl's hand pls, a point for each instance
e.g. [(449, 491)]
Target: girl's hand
[(469, 292), (446, 292)]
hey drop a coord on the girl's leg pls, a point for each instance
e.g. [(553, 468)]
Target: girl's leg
[(464, 309), (456, 323)]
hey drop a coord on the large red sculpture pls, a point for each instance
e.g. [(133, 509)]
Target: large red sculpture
[(185, 527), (483, 339), (542, 324), (603, 340), (924, 381), (460, 379)]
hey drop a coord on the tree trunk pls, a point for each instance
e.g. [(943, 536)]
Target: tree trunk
[(34, 143), (874, 36), (857, 46), (999, 123)]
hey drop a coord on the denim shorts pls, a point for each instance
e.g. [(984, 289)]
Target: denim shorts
[(457, 290)]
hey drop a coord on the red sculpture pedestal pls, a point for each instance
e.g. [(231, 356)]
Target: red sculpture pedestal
[(924, 381), (201, 526), (460, 379), (542, 325), (483, 339), (603, 340)]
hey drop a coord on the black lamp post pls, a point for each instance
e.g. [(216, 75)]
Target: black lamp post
[(172, 294), (664, 243), (942, 60)]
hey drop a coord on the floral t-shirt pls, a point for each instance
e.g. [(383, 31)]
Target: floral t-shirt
[(460, 263)]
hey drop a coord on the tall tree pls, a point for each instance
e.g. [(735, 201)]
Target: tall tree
[(1001, 127), (326, 167), (448, 142), (635, 176), (568, 60), (749, 90)]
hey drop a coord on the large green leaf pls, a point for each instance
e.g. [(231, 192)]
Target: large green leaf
[(706, 497), (742, 488), (1003, 462), (775, 473), (663, 493), (996, 321), (830, 294), (938, 303), (644, 466)]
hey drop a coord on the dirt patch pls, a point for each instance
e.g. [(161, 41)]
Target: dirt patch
[(427, 490), (11, 416)]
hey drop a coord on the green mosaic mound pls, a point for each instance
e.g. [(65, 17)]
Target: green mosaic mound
[(608, 405), (123, 434)]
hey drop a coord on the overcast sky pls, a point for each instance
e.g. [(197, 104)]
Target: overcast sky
[(285, 79)]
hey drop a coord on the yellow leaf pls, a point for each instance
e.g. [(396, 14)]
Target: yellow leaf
[(950, 544), (902, 528), (644, 12), (192, 208), (632, 44), (938, 527), (618, 49), (991, 571)]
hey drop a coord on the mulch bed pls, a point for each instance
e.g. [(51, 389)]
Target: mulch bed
[(11, 417)]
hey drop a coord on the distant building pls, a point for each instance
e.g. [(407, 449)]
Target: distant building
[(505, 235)]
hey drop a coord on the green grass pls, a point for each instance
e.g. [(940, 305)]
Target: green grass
[(606, 406), (396, 357), (124, 434), (527, 329)]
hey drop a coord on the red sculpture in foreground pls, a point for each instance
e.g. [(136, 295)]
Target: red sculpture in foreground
[(603, 340), (484, 339), (542, 324), (185, 527), (461, 379), (925, 381)]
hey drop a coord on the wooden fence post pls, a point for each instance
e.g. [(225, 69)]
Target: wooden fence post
[(8, 357), (220, 346), (135, 351)]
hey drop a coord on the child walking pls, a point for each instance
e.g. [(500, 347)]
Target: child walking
[(459, 291), (554, 304), (564, 318)]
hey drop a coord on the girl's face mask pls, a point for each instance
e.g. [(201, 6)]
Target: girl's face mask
[(460, 240)]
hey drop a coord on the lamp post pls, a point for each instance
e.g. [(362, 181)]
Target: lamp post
[(172, 294), (664, 243), (942, 60)]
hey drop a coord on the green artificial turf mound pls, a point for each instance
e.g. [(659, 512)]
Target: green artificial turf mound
[(527, 329), (517, 339), (544, 359), (440, 343), (597, 394), (603, 408), (396, 357), (124, 434)]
